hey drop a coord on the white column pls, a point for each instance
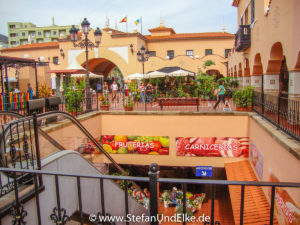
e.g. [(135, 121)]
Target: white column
[(294, 83), (256, 81), (271, 82), (246, 81)]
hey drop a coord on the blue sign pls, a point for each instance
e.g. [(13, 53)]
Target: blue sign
[(204, 171)]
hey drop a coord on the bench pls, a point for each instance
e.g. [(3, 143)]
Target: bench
[(178, 102)]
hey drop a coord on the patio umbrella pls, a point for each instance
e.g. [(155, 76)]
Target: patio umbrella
[(157, 74), (91, 75), (135, 76), (181, 73)]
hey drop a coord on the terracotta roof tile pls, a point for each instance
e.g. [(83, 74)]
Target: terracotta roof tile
[(35, 45), (162, 28), (192, 36), (235, 3)]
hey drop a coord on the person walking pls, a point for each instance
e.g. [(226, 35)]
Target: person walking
[(149, 89), (221, 94), (142, 92), (115, 89), (30, 91)]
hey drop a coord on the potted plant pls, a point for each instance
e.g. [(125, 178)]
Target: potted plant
[(166, 198), (105, 104), (128, 103), (243, 99), (74, 95)]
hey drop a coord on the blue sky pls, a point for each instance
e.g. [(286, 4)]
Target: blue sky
[(184, 16)]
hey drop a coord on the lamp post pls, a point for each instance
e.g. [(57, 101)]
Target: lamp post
[(143, 56), (86, 43)]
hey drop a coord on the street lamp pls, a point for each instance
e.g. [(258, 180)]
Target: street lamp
[(143, 56), (86, 43)]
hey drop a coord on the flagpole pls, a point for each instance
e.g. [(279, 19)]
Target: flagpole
[(141, 25), (126, 24)]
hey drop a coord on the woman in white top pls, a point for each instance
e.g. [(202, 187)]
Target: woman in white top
[(114, 88)]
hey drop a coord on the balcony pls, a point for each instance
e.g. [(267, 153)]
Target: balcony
[(242, 38)]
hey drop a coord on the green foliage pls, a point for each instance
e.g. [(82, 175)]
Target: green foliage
[(74, 95), (208, 63), (105, 100), (243, 97), (205, 85), (128, 102)]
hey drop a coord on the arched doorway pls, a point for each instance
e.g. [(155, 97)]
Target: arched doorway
[(257, 74)]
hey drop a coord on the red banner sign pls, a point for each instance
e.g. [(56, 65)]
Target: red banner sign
[(212, 147), (121, 144)]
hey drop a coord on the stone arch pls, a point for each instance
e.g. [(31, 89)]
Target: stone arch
[(100, 66), (246, 68), (240, 73), (276, 57), (257, 66)]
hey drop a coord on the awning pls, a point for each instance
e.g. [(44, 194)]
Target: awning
[(91, 75), (67, 71)]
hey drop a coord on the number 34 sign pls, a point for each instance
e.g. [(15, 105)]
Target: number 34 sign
[(204, 171)]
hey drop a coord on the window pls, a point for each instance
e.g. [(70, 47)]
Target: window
[(152, 53), (39, 33), (47, 33), (13, 43), (39, 40), (54, 32), (208, 52), (13, 35), (32, 34), (12, 26), (23, 34), (25, 26), (170, 53), (227, 51), (55, 60), (190, 53), (252, 11)]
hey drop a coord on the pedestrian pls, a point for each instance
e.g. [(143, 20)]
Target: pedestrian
[(149, 89), (115, 89), (105, 89), (142, 92), (221, 94), (30, 91)]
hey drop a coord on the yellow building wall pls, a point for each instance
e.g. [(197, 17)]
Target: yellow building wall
[(280, 25)]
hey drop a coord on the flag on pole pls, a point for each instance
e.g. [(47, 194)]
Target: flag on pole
[(137, 22), (124, 20)]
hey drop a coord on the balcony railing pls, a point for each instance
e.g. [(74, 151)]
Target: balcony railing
[(243, 38)]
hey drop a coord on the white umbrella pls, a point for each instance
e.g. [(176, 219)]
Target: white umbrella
[(181, 73), (157, 74), (135, 76), (91, 75)]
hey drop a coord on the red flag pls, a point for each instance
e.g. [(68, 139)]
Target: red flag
[(124, 20)]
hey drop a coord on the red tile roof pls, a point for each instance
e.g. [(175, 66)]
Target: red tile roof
[(208, 35), (162, 28), (30, 46)]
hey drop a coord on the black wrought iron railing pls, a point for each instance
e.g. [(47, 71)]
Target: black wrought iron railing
[(242, 38), (60, 214), (283, 112)]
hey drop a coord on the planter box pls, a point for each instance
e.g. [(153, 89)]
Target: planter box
[(128, 108), (244, 109), (104, 107)]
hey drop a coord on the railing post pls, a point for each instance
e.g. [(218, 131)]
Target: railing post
[(153, 186), (278, 111), (37, 144)]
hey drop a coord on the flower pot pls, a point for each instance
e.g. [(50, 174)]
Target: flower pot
[(104, 107), (128, 108), (166, 204)]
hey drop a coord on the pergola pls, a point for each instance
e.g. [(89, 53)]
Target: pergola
[(7, 61)]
